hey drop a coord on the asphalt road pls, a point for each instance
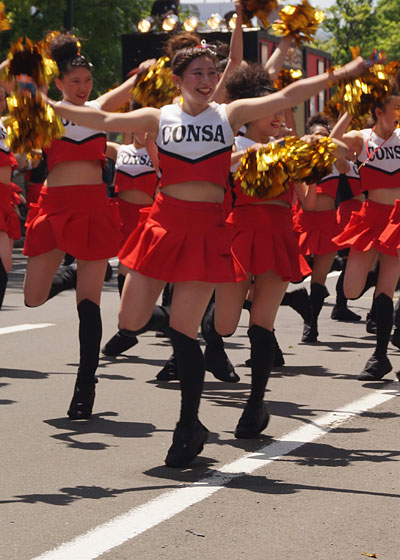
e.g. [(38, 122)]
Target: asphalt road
[(321, 483)]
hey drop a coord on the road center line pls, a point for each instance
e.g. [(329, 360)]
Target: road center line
[(25, 327), (142, 518)]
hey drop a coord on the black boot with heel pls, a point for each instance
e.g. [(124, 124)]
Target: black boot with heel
[(90, 331)]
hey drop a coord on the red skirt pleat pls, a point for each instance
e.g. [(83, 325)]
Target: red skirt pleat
[(390, 236), (316, 231), (183, 241), (365, 227), (80, 220), (33, 193), (345, 209), (9, 220), (130, 215), (264, 240)]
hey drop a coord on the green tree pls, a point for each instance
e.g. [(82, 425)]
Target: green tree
[(388, 38), (99, 25), (351, 23)]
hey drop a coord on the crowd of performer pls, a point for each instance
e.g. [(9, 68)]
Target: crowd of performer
[(182, 226)]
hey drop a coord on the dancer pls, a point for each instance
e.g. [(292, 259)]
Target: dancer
[(377, 150), (184, 240), (267, 248), (316, 228), (135, 185), (75, 216), (10, 228)]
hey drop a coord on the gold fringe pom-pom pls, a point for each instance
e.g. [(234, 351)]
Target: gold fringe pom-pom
[(4, 23), (263, 173), (300, 21), (359, 96), (155, 87), (309, 162), (31, 124), (286, 77), (258, 8)]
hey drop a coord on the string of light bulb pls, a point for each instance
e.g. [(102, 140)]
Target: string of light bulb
[(191, 23)]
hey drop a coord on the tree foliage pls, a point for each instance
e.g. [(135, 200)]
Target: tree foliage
[(99, 25), (352, 23), (362, 23), (388, 28)]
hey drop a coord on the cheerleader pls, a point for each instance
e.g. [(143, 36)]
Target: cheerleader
[(368, 233), (74, 215), (184, 239), (10, 228), (266, 246), (349, 198), (135, 185), (316, 228)]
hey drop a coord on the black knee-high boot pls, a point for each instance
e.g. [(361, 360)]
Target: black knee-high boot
[(64, 279), (216, 359), (379, 365), (340, 311), (90, 331), (255, 416), (190, 434), (318, 294), (125, 339), (396, 322), (3, 282), (300, 302)]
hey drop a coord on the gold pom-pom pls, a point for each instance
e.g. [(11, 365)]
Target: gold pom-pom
[(286, 77), (4, 23), (31, 124), (155, 87), (359, 96), (259, 8), (263, 173), (300, 21), (310, 162)]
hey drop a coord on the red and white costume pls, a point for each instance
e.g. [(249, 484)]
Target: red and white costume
[(348, 203), (380, 169), (133, 171), (186, 240), (9, 220), (263, 233), (317, 228), (78, 219)]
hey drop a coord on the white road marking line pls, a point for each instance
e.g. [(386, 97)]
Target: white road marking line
[(140, 519), (25, 327)]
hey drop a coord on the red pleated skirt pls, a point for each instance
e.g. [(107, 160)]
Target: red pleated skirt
[(264, 240), (33, 193), (130, 215), (390, 236), (316, 230), (183, 241), (365, 228), (80, 220), (9, 220), (345, 209)]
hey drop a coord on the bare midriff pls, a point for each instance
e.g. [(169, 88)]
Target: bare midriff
[(135, 197), (384, 196), (70, 173), (5, 174), (195, 191), (323, 203)]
